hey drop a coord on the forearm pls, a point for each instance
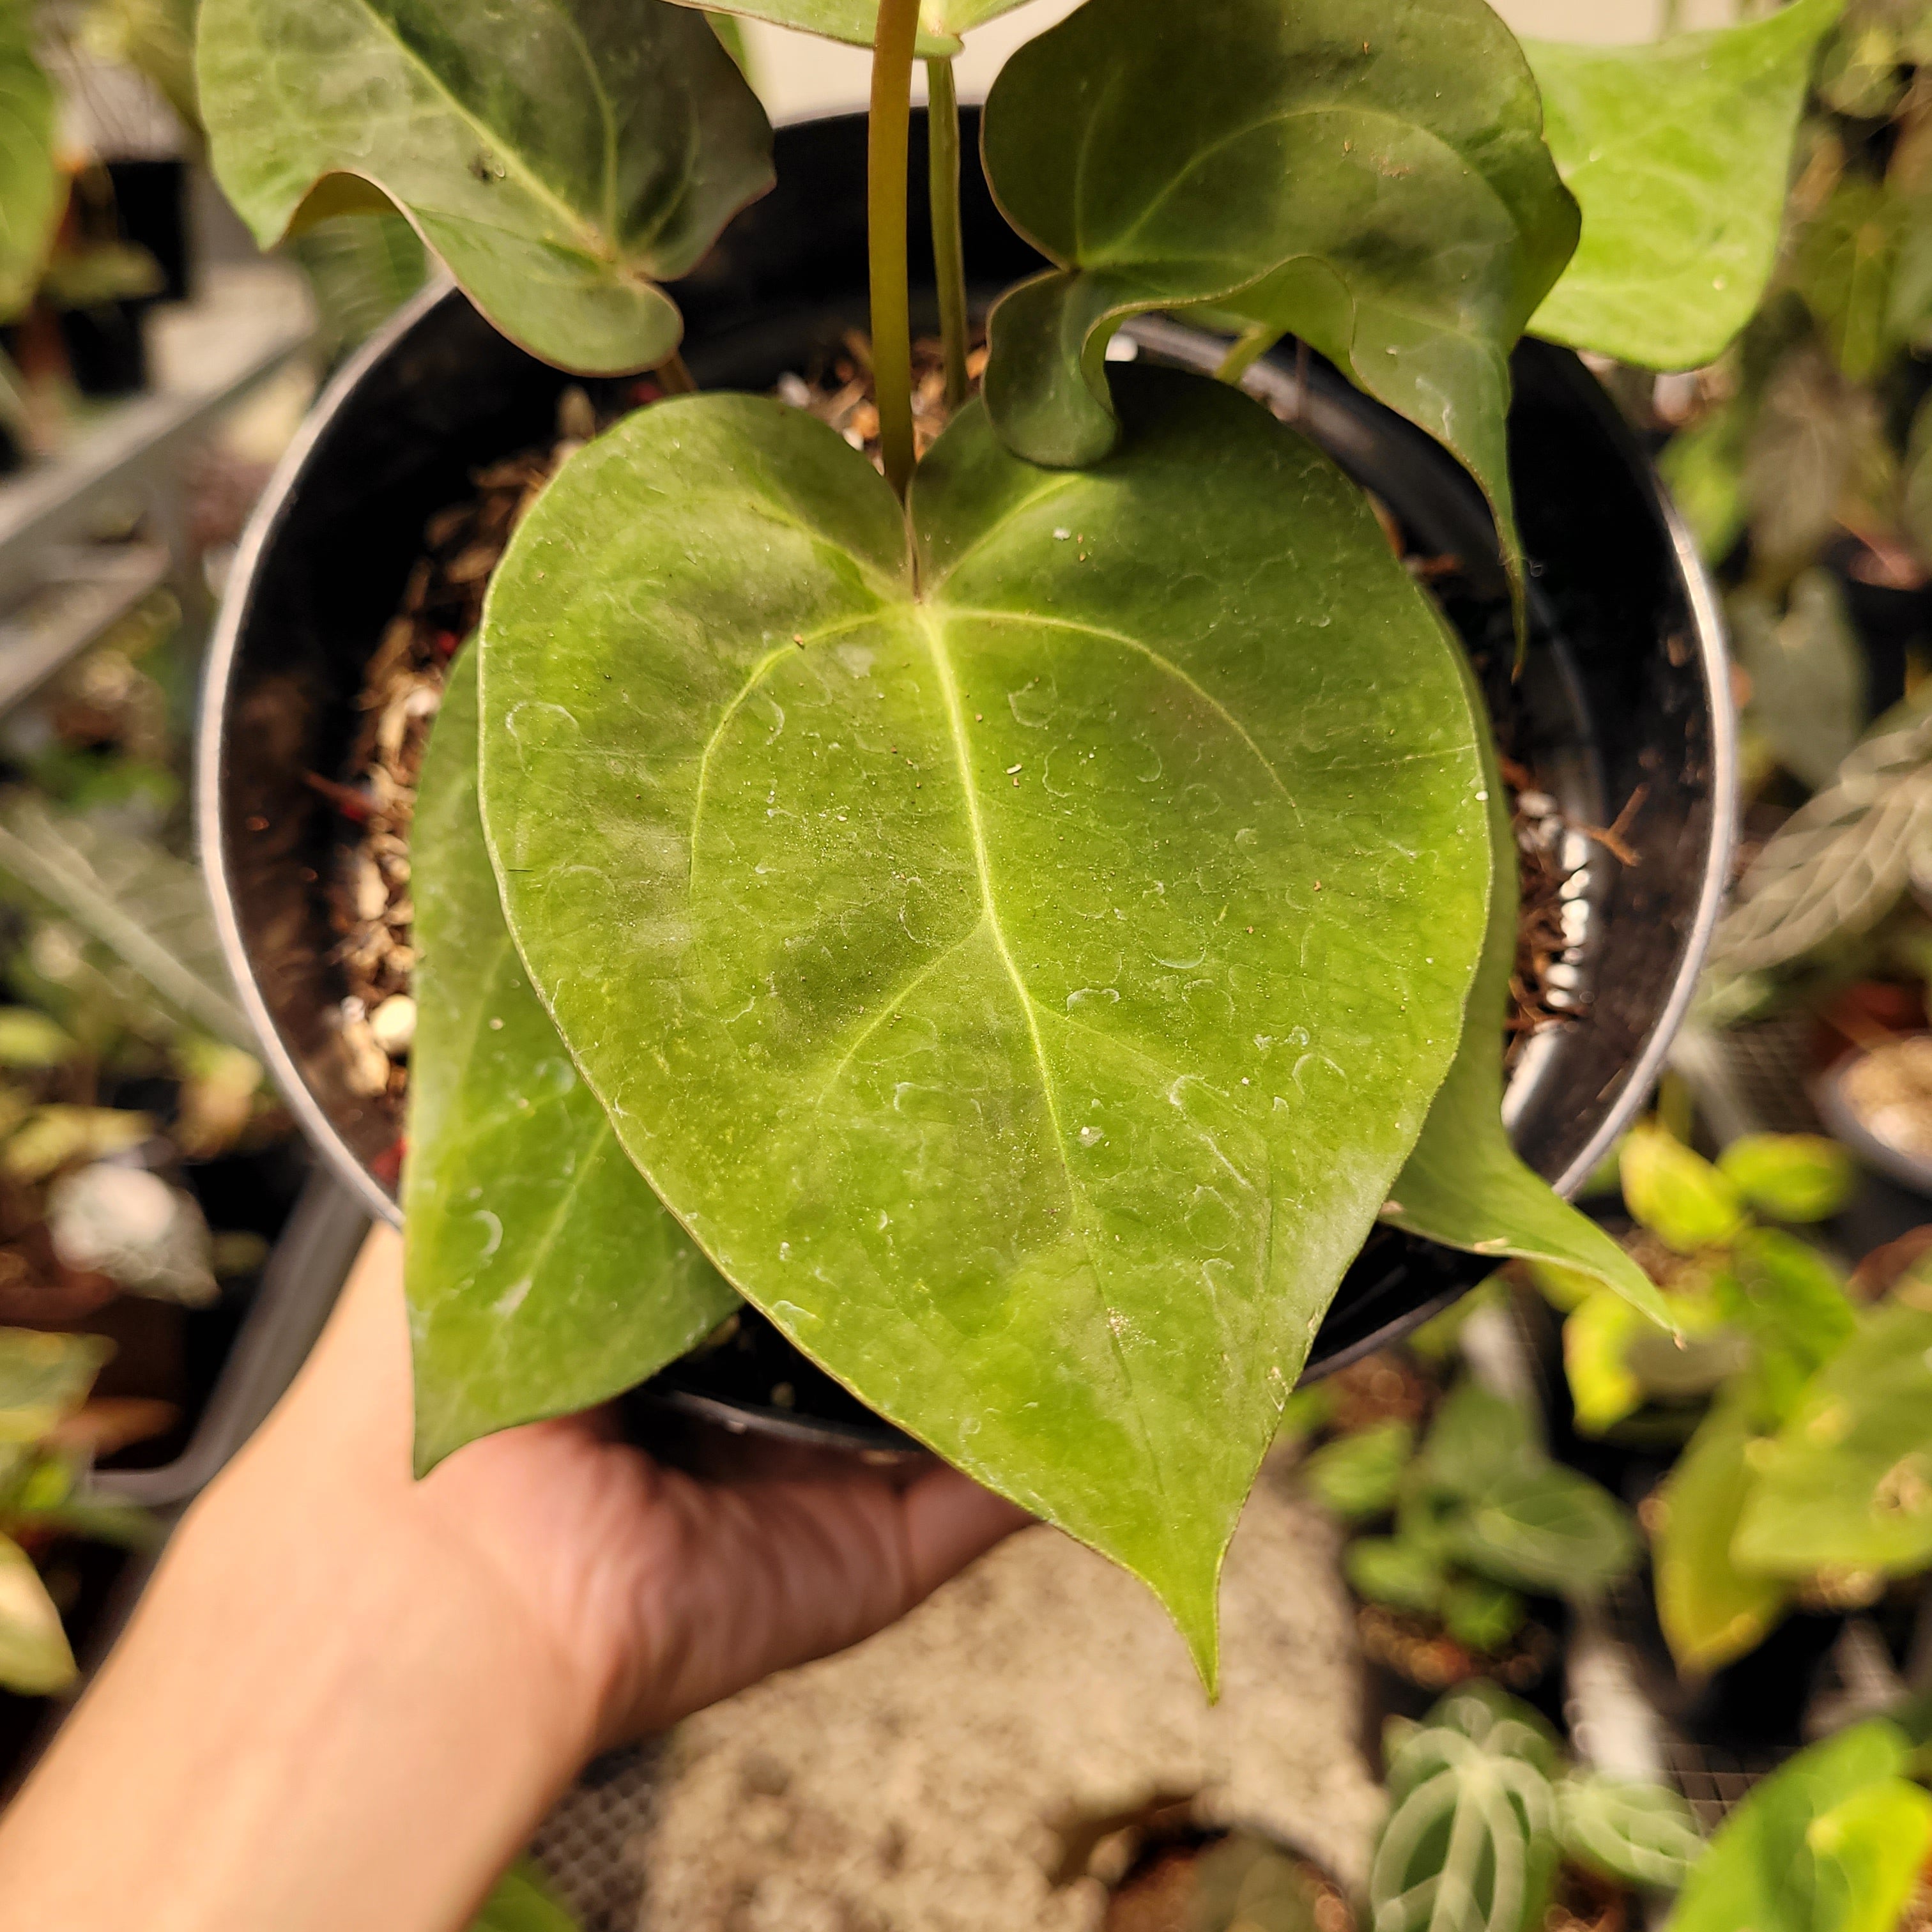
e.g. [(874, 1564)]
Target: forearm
[(321, 1716)]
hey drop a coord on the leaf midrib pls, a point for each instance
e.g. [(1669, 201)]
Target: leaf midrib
[(534, 184), (932, 630)]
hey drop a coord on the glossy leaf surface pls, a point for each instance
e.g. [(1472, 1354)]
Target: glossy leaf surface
[(940, 21), (34, 1658), (1832, 1842), (1679, 151), (1848, 1482), (1711, 1611), (1025, 988), (1464, 1185), (31, 190), (562, 159), (543, 1274), (1369, 174)]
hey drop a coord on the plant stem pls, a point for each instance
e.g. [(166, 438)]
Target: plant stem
[(887, 133), (673, 378), (1250, 346), (949, 254)]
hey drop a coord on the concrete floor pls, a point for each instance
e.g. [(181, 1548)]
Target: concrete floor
[(914, 1784)]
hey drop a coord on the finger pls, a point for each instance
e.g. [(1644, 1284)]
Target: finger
[(949, 1519)]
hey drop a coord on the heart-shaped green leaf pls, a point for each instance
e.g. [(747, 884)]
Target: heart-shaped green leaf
[(30, 183), (1679, 151), (543, 1273), (1369, 174), (1025, 986), (1463, 1184), (562, 159), (940, 21)]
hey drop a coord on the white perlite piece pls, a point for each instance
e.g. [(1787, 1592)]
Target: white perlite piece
[(908, 1785)]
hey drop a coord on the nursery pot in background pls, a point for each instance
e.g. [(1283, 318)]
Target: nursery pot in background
[(1621, 709)]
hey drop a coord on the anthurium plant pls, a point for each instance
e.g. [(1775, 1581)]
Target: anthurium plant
[(1018, 919)]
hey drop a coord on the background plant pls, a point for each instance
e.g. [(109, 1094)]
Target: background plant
[(44, 1381), (1483, 1809), (1059, 1066), (1481, 1516)]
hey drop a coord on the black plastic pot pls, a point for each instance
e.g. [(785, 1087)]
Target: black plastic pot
[(1624, 691)]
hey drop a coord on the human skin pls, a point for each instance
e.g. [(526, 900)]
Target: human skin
[(347, 1697)]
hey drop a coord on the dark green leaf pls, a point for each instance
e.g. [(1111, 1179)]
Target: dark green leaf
[(562, 159), (1476, 1440), (1833, 1842), (1482, 1614), (1847, 1484), (544, 1275), (1548, 1530), (1790, 1177), (1677, 1194), (1843, 268), (954, 963), (1356, 1477), (1642, 1834), (1394, 1570), (1678, 152), (1463, 1184), (1711, 1611), (34, 1659), (940, 21), (1808, 674), (44, 1376), (1369, 174), (31, 188)]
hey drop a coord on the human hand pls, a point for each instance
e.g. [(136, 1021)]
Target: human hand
[(348, 1697), (657, 1590)]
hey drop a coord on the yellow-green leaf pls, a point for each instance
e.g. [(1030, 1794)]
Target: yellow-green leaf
[(1679, 151), (947, 948), (34, 1658), (543, 1274)]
